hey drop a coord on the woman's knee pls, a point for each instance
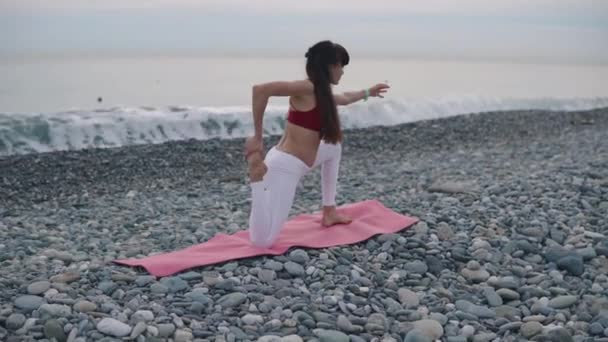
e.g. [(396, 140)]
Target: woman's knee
[(260, 241), (259, 236), (263, 235)]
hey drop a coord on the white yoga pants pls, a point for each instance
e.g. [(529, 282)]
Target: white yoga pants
[(273, 196)]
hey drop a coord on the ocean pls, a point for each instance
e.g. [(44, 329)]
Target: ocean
[(51, 103)]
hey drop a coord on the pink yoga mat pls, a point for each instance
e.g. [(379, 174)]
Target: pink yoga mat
[(369, 218)]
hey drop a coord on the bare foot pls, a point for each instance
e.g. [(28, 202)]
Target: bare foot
[(331, 217), (256, 167)]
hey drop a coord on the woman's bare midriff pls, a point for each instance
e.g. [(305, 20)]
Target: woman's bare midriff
[(300, 142)]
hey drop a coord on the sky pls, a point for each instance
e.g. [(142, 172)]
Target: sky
[(562, 31)]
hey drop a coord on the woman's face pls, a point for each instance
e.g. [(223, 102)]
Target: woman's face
[(335, 72)]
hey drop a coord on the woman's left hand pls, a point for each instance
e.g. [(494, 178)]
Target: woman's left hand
[(378, 90)]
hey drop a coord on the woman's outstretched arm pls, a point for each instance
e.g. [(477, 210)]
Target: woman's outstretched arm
[(354, 96)]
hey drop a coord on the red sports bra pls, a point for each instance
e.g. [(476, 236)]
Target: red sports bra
[(310, 119)]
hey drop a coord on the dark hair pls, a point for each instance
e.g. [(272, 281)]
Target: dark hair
[(319, 58)]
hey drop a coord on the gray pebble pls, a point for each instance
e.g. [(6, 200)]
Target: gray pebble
[(29, 302), (38, 287)]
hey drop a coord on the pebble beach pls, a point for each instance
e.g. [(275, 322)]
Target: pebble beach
[(512, 243)]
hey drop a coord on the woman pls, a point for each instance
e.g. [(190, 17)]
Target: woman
[(312, 137)]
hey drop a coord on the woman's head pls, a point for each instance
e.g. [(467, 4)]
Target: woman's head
[(325, 61), (324, 66)]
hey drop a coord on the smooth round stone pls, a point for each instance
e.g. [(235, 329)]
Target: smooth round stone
[(457, 339), (444, 231), (477, 310), (560, 317), (535, 318), (573, 264), (480, 244), (183, 336), (408, 298), (51, 292), (331, 335), (273, 324), (273, 265), (376, 322), (165, 329), (291, 338), (465, 316), (199, 295), (323, 317), (38, 287), (15, 321), (475, 276), (421, 228), (152, 330), (144, 280), (225, 284), (142, 316), (473, 265), (434, 264), (467, 331), (507, 311), (300, 256), (232, 300), (344, 324), (416, 267), (429, 327), (66, 278), (504, 282), (534, 232), (29, 302), (64, 256), (55, 310), (441, 318), (417, 335), (138, 330), (541, 306), (175, 284), (54, 329), (562, 302), (294, 269), (266, 275), (596, 288), (159, 288), (510, 326), (107, 287), (191, 276), (602, 247), (330, 300), (197, 307), (559, 335), (596, 329), (531, 329), (84, 306), (113, 327), (460, 254), (251, 319), (269, 338), (72, 335), (484, 337), (587, 253), (507, 294), (492, 297)]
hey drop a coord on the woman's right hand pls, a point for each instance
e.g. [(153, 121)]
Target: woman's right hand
[(254, 144)]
